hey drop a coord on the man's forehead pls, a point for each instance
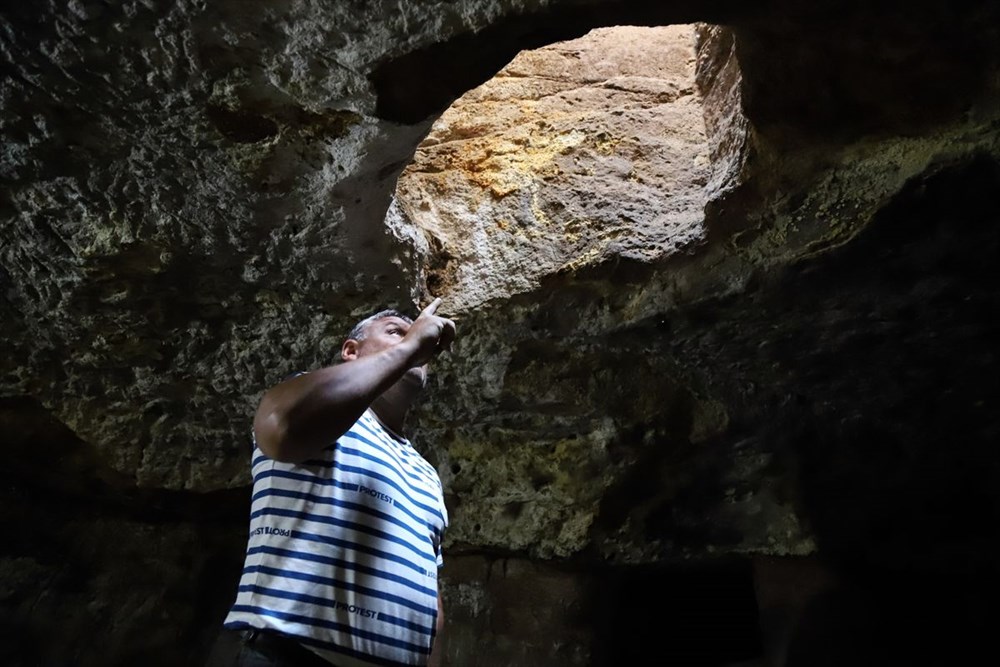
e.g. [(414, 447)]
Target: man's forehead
[(391, 319)]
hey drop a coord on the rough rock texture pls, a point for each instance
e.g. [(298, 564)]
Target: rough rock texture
[(191, 186), (523, 177), (198, 198)]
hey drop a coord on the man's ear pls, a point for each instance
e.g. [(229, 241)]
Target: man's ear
[(349, 350)]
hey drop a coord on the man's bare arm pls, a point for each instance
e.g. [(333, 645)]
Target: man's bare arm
[(297, 418)]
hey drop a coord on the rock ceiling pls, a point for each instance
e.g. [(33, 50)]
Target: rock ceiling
[(707, 278)]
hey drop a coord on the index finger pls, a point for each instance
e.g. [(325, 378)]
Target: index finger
[(432, 308)]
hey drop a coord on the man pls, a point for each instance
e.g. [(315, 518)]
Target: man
[(346, 517)]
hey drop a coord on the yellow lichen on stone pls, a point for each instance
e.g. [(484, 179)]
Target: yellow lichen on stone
[(583, 260), (502, 166), (536, 208), (605, 144)]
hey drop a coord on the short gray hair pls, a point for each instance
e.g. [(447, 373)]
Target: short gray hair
[(359, 332)]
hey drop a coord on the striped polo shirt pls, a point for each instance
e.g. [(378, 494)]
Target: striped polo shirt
[(344, 550)]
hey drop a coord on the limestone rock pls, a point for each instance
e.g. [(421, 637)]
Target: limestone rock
[(526, 175)]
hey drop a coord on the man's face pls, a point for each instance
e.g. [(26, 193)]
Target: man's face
[(380, 335)]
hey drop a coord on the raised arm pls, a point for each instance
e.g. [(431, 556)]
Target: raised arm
[(297, 418)]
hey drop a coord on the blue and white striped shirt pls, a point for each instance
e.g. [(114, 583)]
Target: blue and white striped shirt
[(344, 550)]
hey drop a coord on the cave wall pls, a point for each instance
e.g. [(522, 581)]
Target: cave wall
[(199, 198)]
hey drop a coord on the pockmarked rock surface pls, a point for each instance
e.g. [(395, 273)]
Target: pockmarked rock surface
[(526, 175), (725, 280)]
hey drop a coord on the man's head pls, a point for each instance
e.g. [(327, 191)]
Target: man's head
[(379, 332), (360, 330)]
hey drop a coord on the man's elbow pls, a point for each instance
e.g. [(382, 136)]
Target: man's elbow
[(287, 433), (271, 433), (278, 440)]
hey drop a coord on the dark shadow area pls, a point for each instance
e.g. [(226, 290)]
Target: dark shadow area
[(701, 613), (424, 82), (860, 68), (97, 572), (899, 461), (870, 377), (897, 620), (891, 411), (829, 69)]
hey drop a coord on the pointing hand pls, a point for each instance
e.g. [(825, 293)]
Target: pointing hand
[(431, 333)]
